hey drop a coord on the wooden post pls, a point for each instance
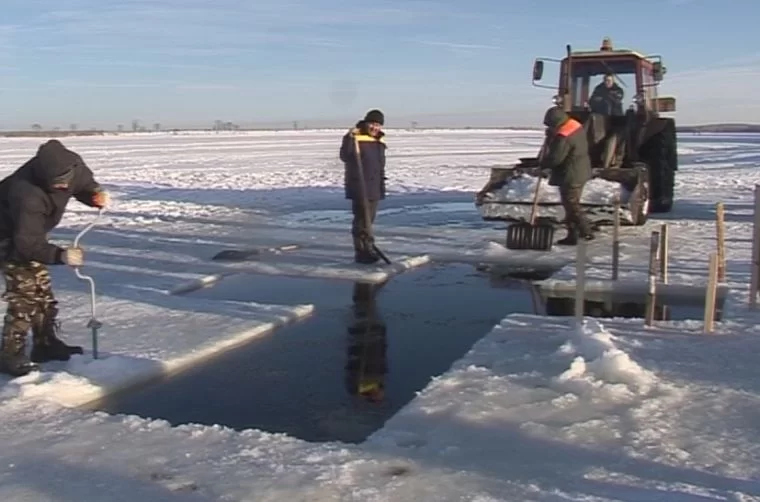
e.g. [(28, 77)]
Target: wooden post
[(580, 281), (755, 281), (664, 253), (654, 244), (616, 240), (710, 294), (720, 230), (664, 263)]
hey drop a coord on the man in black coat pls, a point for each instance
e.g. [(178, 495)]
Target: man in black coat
[(607, 98), (368, 138), (32, 202)]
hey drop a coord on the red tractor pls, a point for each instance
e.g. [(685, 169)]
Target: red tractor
[(632, 149)]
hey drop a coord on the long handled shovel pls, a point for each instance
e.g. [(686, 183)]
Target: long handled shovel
[(528, 235), (363, 195), (94, 324)]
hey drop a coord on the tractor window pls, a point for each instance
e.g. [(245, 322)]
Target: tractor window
[(604, 86)]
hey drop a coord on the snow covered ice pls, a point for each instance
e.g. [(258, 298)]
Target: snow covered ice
[(539, 409), (523, 188)]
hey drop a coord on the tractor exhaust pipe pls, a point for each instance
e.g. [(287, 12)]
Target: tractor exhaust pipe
[(567, 103)]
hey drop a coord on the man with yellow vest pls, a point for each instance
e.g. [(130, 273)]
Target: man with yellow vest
[(363, 147), (567, 158)]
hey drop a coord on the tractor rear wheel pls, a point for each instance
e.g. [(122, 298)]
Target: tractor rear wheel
[(660, 152)]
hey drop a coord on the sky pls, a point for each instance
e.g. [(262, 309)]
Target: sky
[(187, 63)]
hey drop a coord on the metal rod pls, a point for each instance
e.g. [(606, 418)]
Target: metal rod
[(710, 293), (755, 278), (616, 240), (580, 282), (94, 324), (651, 302)]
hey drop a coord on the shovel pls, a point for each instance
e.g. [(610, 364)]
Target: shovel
[(529, 235)]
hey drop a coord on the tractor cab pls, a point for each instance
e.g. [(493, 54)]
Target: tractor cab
[(613, 92)]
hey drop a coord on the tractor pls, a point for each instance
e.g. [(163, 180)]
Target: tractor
[(633, 151)]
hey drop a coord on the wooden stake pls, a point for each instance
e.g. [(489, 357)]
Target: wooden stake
[(720, 229), (755, 251), (664, 264), (664, 253), (711, 293), (580, 281), (616, 240), (654, 244)]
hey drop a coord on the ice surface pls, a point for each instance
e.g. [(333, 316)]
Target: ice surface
[(538, 410)]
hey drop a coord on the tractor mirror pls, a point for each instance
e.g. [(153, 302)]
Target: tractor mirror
[(658, 71), (665, 104), (538, 70)]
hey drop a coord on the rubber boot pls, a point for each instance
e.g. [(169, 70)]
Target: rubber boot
[(46, 346), (571, 239), (363, 252), (13, 360)]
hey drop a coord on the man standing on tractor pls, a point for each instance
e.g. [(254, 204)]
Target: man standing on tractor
[(363, 154), (32, 202), (607, 98), (567, 159)]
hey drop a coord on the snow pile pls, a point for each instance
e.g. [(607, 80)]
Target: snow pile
[(600, 365), (523, 187)]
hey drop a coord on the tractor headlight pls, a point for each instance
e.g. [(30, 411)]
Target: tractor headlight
[(639, 99), (557, 100)]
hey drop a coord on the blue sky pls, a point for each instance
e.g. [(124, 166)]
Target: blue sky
[(98, 63)]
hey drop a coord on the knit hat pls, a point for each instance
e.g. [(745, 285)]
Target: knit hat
[(375, 116), (555, 117)]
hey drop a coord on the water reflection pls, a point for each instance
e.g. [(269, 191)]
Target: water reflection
[(366, 358)]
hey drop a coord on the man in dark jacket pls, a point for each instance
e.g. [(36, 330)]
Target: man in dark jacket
[(368, 139), (607, 98), (567, 158), (32, 202)]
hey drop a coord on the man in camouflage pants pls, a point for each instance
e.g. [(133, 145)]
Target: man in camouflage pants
[(32, 202)]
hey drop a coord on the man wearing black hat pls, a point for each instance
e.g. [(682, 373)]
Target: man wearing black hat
[(32, 202), (368, 140)]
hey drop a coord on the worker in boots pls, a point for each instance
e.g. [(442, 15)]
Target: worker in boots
[(363, 147), (567, 160), (33, 200)]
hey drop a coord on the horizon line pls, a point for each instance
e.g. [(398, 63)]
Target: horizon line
[(96, 131)]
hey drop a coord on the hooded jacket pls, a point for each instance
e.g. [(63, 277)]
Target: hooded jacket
[(567, 150), (30, 207)]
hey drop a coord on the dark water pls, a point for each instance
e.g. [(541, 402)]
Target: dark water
[(630, 306), (340, 374)]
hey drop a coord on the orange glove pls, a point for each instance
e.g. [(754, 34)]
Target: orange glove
[(101, 199)]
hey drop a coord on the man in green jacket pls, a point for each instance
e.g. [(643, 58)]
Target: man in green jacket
[(566, 157)]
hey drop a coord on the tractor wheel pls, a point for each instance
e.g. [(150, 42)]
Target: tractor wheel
[(639, 202), (662, 156)]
